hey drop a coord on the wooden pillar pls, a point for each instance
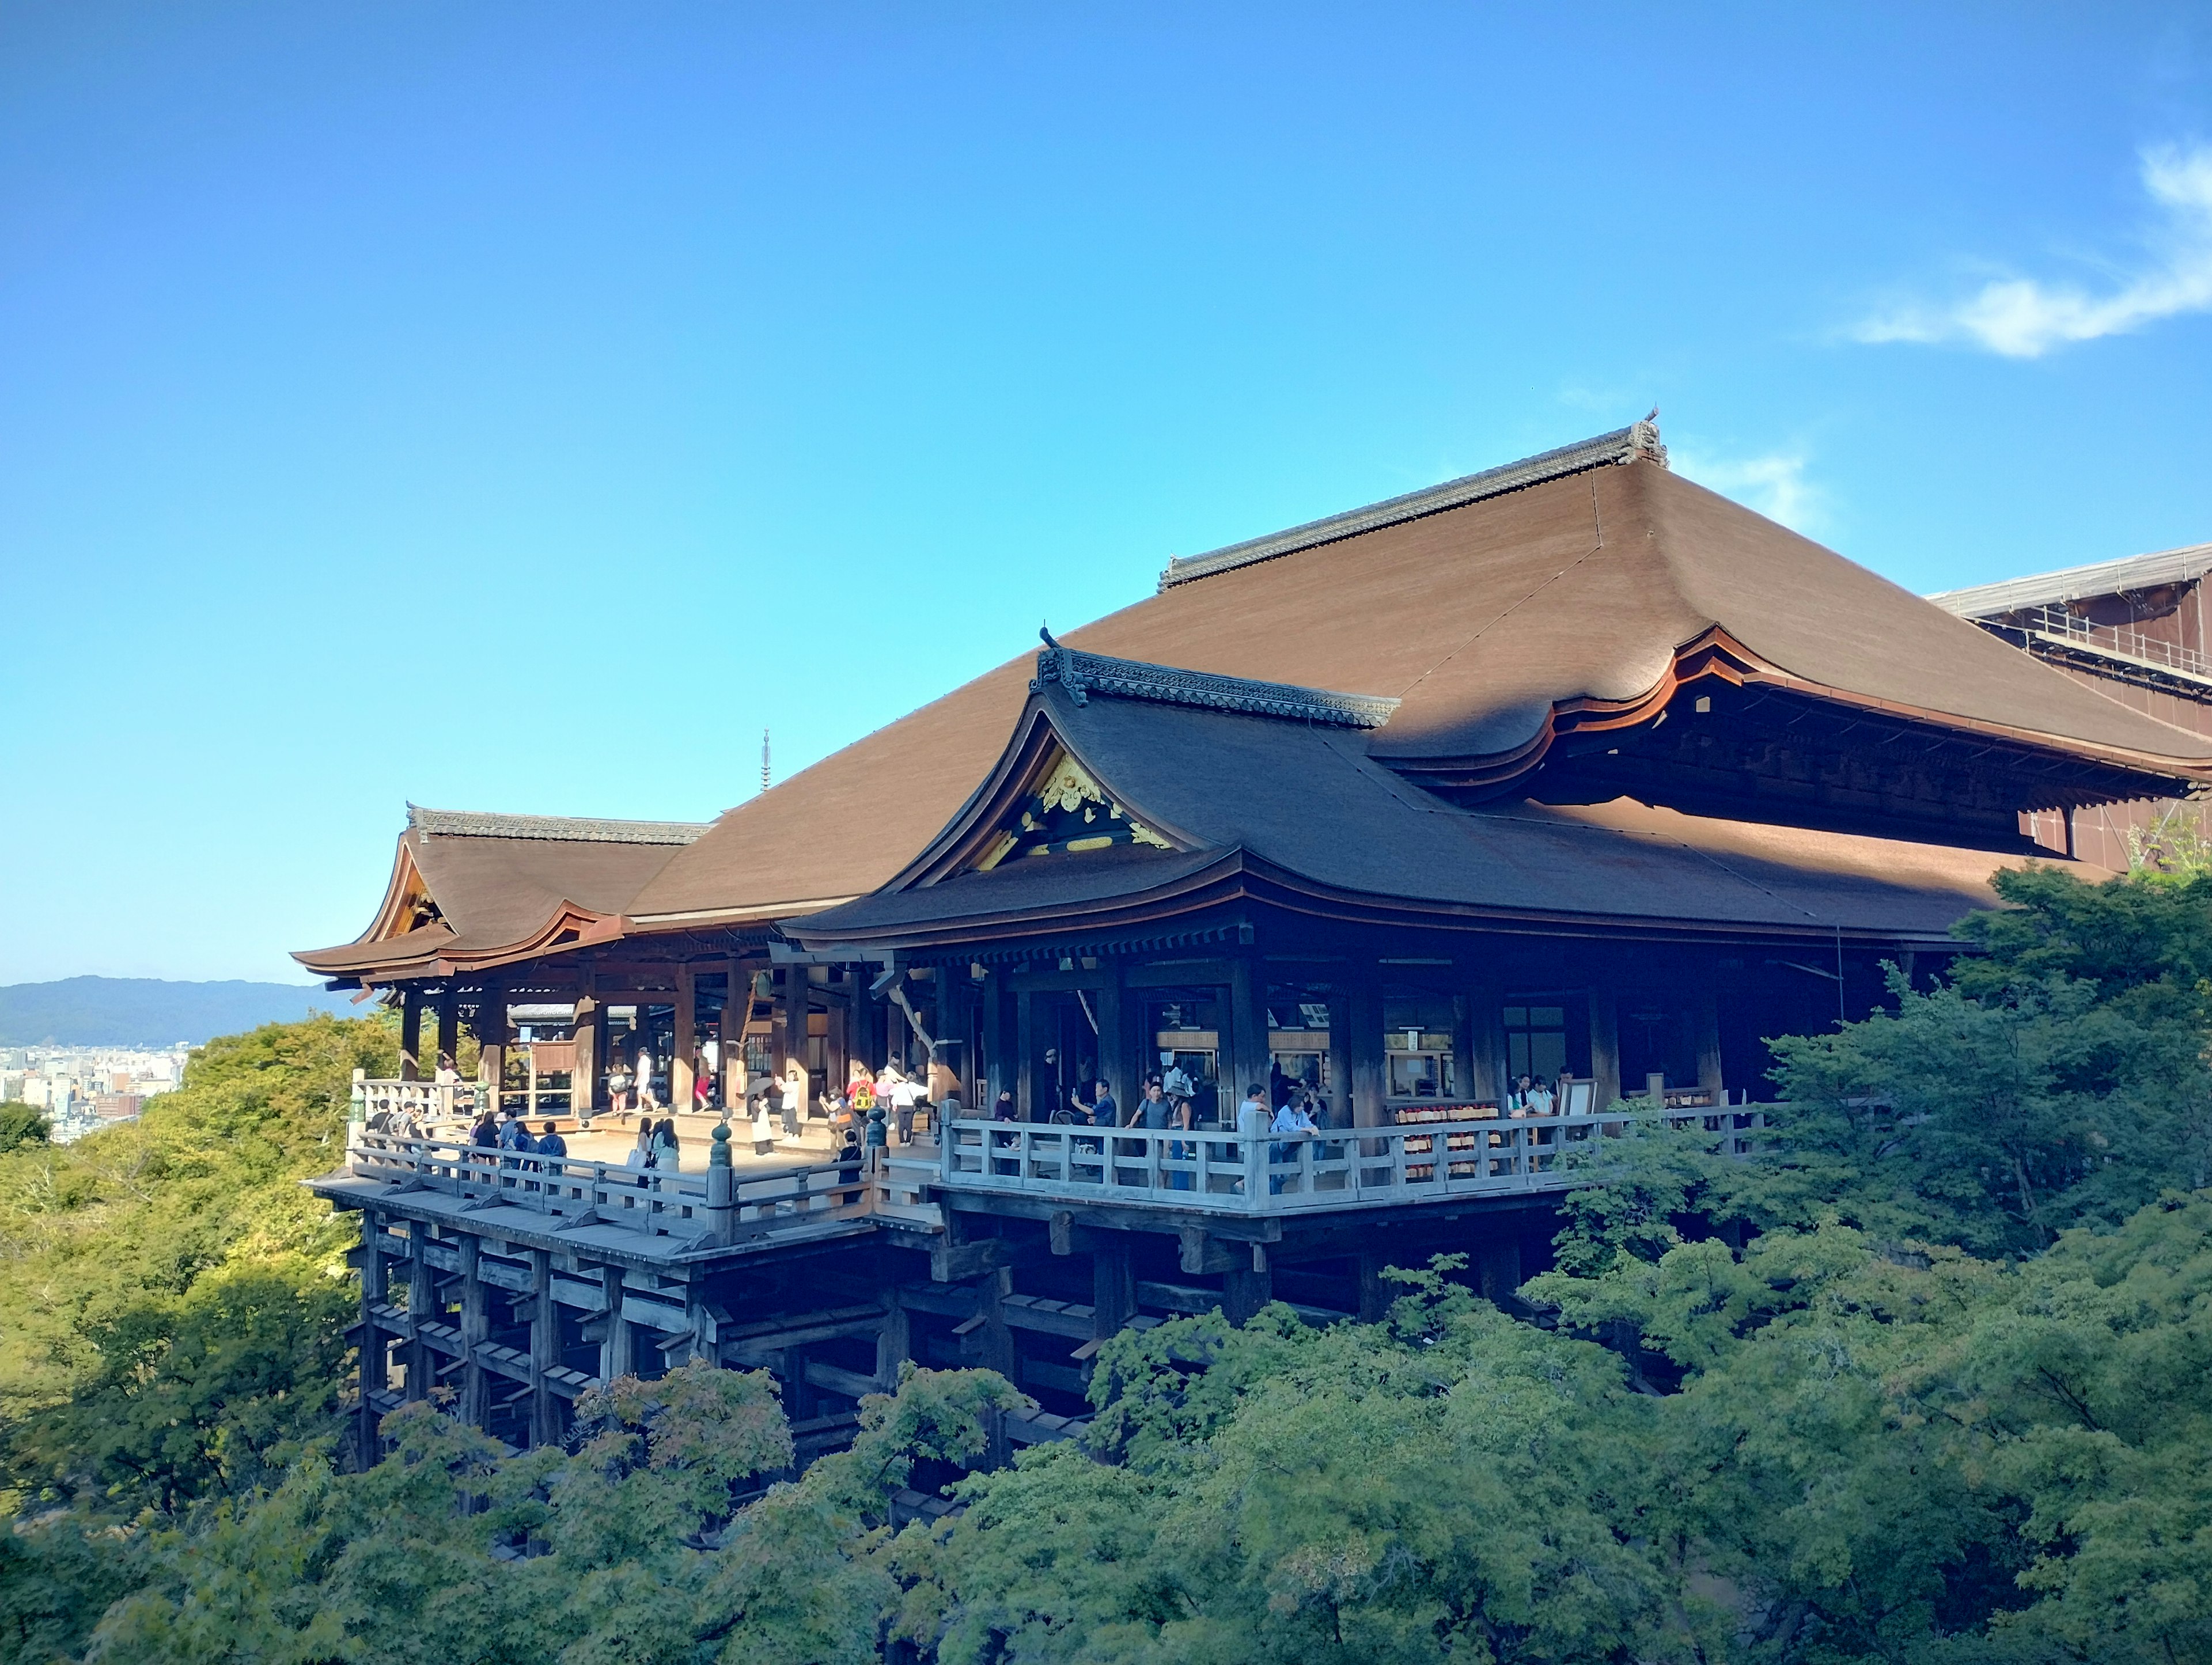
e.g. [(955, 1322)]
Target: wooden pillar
[(590, 1033), (997, 1043), (894, 1342), (1113, 1283), (1462, 1052), (491, 1041), (1364, 1013), (1244, 1058), (785, 1032), (476, 1327), (410, 1035), (1025, 1053), (1116, 1059), (1375, 1295), (618, 1355), (837, 1045), (546, 1410), (367, 1444), (1244, 1292), (687, 1037), (737, 1012), (1486, 1004), (449, 1028), (1605, 1045), (1706, 1011), (1498, 1267), (422, 1307), (996, 1345), (1340, 1059)]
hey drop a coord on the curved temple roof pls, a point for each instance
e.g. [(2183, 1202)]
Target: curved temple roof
[(472, 889), (1485, 614)]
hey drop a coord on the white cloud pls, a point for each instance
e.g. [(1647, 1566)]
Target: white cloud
[(2021, 317), (1774, 484)]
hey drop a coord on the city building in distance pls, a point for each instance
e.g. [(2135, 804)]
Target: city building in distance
[(80, 1089)]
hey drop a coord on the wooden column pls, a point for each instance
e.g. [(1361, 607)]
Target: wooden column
[(491, 1041), (1116, 1058), (1245, 1055), (1375, 1295), (546, 1417), (1707, 1011), (368, 1445), (1340, 1059), (1462, 1051), (785, 1032), (476, 1327), (1486, 1004), (410, 1036), (1113, 1283), (1244, 1293), (997, 1077), (1497, 1265), (1364, 1015), (737, 1012), (894, 1343), (1605, 1045), (449, 1028), (686, 1036), (616, 1353), (422, 1308), (1024, 1059), (590, 1033)]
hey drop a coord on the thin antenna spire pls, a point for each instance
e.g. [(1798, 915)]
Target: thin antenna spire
[(764, 760)]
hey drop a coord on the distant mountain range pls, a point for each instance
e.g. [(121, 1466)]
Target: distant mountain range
[(146, 1011)]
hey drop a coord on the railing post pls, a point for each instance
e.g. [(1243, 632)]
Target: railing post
[(722, 1213), (356, 1119)]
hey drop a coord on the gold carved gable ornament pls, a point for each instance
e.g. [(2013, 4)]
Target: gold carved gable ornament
[(1066, 813)]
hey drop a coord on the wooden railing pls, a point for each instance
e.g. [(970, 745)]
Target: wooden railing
[(717, 1207), (1269, 1174), (428, 1102)]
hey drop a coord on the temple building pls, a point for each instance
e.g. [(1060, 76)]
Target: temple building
[(1571, 770)]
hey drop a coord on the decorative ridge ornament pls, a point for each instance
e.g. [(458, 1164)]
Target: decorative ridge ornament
[(1638, 442), (1082, 674)]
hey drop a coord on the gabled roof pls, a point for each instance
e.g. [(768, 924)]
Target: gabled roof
[(2136, 573), (470, 890), (1296, 813), (1486, 618)]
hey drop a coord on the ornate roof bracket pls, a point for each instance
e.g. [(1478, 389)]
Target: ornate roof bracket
[(1082, 674)]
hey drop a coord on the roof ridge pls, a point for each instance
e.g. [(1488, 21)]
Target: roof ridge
[(565, 829), (2064, 584), (1639, 439), (1082, 674)]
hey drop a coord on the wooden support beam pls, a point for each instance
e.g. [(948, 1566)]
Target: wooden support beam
[(997, 1042), (1026, 1055), (410, 1035), (476, 1325), (1706, 1012), (590, 1033), (617, 1353), (952, 1263), (491, 1039), (449, 1027), (1375, 1295), (1244, 1293), (547, 1408), (1498, 1265), (1203, 1253), (1244, 1060), (1486, 1042), (367, 1444), (422, 1308), (680, 1079), (894, 1343), (1112, 1285), (1605, 1045), (736, 1010), (1364, 1016)]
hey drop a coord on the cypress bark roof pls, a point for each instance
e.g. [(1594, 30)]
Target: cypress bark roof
[(1486, 620)]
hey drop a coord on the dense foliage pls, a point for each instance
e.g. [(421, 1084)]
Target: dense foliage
[(1927, 1380)]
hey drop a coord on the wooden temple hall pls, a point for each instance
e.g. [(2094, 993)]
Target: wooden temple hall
[(1570, 769)]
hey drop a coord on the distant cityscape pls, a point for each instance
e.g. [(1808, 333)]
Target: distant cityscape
[(80, 1089)]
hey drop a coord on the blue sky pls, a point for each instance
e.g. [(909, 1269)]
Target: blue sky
[(521, 406)]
